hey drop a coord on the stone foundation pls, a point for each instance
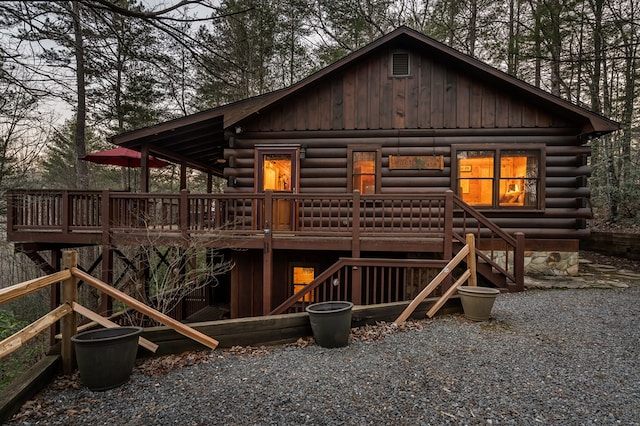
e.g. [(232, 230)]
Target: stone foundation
[(545, 262), (551, 263)]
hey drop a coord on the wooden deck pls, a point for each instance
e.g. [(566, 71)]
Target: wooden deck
[(348, 222), (82, 217)]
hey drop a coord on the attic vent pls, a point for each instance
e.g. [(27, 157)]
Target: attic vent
[(400, 64)]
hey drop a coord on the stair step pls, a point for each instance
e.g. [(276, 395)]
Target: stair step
[(486, 271)]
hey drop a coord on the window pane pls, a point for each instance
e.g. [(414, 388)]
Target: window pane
[(364, 172), (519, 178), (475, 177), (302, 276), (276, 172)]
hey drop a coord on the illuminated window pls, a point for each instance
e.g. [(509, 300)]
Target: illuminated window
[(475, 177), (276, 172), (499, 178), (364, 169), (303, 275), (519, 178)]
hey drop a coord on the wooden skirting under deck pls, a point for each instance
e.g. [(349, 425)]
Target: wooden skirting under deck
[(280, 329)]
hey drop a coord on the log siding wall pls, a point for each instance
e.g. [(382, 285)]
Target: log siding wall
[(434, 109), (324, 170)]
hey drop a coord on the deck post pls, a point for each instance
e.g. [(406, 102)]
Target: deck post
[(267, 254), (69, 323), (518, 261), (356, 274), (209, 182), (183, 176), (471, 260), (447, 248), (144, 169), (106, 303), (66, 212), (184, 213)]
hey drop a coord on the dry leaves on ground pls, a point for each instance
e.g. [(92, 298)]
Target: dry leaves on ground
[(371, 333), (165, 364)]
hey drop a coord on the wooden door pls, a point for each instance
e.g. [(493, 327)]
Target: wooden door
[(278, 172)]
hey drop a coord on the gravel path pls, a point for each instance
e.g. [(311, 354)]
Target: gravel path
[(565, 357)]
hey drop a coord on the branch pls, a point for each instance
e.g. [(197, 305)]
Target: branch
[(106, 4), (160, 15)]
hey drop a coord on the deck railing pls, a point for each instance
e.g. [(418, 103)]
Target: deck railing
[(350, 215), (304, 214), (494, 247)]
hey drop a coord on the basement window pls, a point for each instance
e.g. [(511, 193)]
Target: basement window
[(399, 64), (303, 275)]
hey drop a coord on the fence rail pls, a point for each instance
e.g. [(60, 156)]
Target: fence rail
[(67, 311)]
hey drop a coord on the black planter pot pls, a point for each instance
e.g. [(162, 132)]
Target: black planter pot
[(106, 356), (331, 323)]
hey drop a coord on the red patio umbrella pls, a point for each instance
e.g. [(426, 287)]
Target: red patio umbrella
[(124, 157)]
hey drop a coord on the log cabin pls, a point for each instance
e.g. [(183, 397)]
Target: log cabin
[(350, 184)]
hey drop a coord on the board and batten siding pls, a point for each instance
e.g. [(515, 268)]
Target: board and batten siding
[(434, 96)]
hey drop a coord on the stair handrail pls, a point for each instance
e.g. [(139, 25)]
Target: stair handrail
[(351, 262), (309, 287), (516, 242)]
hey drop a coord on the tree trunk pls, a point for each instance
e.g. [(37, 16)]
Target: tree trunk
[(473, 28), (81, 113)]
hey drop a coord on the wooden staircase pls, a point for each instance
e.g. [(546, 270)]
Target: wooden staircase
[(500, 256), (488, 274)]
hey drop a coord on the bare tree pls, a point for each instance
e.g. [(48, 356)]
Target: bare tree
[(164, 276)]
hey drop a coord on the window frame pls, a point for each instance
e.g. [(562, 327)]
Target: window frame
[(261, 151), (378, 164), (300, 264), (498, 149)]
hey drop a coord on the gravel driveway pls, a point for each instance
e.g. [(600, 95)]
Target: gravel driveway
[(565, 357)]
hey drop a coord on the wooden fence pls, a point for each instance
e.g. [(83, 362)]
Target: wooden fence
[(69, 308)]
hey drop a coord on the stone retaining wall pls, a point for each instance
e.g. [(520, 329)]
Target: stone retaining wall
[(625, 245), (618, 244), (551, 263)]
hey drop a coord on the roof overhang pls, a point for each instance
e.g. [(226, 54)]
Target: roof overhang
[(198, 140)]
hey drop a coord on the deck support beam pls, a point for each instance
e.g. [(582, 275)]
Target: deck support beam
[(69, 323), (448, 235), (267, 255), (356, 276), (55, 297), (106, 303)]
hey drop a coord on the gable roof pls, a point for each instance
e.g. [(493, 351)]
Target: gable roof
[(198, 140)]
